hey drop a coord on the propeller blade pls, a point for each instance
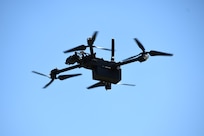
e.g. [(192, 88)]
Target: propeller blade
[(63, 77), (90, 42), (102, 48), (40, 74), (113, 50), (126, 84), (48, 84), (94, 36), (78, 48), (139, 44), (98, 84), (158, 53)]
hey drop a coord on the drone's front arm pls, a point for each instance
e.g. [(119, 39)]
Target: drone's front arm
[(68, 68), (55, 72)]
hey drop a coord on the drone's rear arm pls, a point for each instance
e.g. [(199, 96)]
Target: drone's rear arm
[(127, 62)]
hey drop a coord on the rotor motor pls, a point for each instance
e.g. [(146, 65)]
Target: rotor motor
[(143, 57)]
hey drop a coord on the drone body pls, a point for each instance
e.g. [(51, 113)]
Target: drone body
[(106, 72)]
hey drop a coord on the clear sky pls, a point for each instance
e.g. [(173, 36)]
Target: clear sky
[(166, 101)]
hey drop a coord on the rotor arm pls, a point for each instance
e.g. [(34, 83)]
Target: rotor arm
[(127, 62), (55, 72), (68, 68)]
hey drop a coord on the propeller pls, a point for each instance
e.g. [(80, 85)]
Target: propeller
[(53, 74), (152, 52), (90, 42)]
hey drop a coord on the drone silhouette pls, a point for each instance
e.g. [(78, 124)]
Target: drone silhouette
[(107, 72)]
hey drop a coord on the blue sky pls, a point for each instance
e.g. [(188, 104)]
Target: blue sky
[(168, 96)]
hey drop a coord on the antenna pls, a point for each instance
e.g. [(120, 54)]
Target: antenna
[(112, 50)]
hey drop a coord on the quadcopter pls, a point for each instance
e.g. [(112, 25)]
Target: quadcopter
[(106, 72)]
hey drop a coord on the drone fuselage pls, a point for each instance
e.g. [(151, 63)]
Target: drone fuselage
[(102, 70), (106, 71)]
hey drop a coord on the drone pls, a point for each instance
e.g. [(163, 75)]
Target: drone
[(106, 72)]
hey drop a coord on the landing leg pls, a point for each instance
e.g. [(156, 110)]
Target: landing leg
[(108, 86)]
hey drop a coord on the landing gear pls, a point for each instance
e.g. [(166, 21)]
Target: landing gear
[(108, 86)]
